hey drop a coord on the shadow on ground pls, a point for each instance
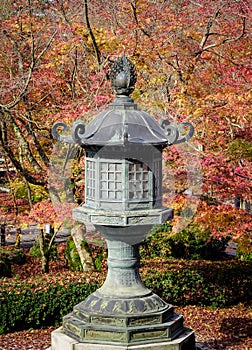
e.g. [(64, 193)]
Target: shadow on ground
[(233, 331), (237, 329)]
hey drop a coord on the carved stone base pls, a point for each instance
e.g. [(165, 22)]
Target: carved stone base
[(60, 341), (123, 313), (123, 321)]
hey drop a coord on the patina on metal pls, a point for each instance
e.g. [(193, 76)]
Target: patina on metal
[(123, 199)]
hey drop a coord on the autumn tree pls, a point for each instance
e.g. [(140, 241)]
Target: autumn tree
[(44, 214), (194, 63)]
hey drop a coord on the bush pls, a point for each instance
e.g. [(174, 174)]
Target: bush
[(190, 243), (27, 306), (8, 257), (5, 267), (15, 256), (216, 284), (244, 247), (179, 282)]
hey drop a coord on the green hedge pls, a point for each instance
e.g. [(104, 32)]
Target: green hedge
[(180, 282), (216, 284), (24, 307)]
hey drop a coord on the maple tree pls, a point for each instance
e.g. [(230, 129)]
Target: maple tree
[(194, 63), (44, 214)]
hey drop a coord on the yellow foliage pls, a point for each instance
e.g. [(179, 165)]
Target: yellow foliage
[(20, 190), (80, 30), (157, 80), (197, 112)]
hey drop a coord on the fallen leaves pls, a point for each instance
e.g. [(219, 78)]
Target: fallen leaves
[(215, 329), (33, 339), (227, 328)]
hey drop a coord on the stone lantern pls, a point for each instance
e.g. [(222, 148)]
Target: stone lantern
[(123, 199)]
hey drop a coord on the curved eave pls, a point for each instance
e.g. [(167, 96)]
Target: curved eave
[(86, 143), (124, 126), (66, 139)]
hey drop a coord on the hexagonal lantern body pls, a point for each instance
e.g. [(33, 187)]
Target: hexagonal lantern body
[(127, 183), (123, 199)]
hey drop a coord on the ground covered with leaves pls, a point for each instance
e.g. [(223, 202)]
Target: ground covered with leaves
[(215, 328), (228, 328)]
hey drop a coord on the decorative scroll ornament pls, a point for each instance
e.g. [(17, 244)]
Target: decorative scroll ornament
[(55, 130), (177, 134), (77, 132), (123, 76)]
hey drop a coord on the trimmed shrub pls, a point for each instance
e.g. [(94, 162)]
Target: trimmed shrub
[(216, 284), (27, 306), (179, 282), (190, 243)]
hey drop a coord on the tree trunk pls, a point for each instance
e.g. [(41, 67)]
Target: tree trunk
[(91, 33), (77, 234), (44, 252), (45, 263), (4, 141), (18, 237), (3, 234), (21, 159), (15, 207), (29, 196)]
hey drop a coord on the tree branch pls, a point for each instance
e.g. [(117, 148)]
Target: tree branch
[(90, 31), (30, 72), (53, 237), (208, 33), (134, 9), (5, 145)]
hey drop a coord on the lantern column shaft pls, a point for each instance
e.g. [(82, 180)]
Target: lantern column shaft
[(123, 278)]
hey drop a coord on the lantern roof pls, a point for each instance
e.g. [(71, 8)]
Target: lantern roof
[(123, 123)]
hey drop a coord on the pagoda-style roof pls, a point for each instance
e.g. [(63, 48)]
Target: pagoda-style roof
[(121, 124)]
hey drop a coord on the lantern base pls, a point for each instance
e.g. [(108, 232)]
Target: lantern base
[(124, 322), (124, 311), (101, 319), (185, 341)]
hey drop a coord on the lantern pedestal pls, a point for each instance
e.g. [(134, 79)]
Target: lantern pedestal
[(123, 313)]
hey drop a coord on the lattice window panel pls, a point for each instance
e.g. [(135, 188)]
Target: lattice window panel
[(139, 187), (111, 181), (90, 176)]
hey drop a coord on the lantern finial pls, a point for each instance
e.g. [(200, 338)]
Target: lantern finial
[(123, 76)]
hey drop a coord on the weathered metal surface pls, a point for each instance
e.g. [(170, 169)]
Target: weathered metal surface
[(122, 218), (123, 199), (130, 334), (185, 341)]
